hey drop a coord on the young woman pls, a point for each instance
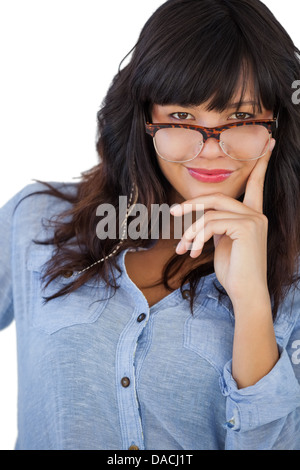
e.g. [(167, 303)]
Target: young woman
[(179, 342)]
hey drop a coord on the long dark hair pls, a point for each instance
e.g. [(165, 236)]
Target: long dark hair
[(189, 52)]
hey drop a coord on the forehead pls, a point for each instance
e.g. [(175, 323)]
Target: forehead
[(245, 93)]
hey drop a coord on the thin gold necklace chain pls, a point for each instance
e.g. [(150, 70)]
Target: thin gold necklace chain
[(123, 225)]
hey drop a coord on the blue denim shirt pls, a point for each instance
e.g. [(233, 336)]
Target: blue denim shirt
[(104, 371)]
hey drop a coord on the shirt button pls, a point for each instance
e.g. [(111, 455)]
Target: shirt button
[(133, 447), (231, 423), (141, 317), (125, 382), (186, 294), (68, 274)]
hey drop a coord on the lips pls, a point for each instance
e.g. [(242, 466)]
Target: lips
[(209, 176), (202, 171)]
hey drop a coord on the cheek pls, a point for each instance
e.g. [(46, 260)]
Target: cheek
[(173, 172), (243, 177), (175, 175)]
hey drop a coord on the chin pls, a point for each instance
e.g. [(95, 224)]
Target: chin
[(206, 190)]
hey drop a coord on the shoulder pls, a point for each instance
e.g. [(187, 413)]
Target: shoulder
[(33, 205), (39, 193)]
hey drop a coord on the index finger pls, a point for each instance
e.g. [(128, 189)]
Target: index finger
[(255, 184)]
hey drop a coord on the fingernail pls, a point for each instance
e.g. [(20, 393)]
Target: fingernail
[(176, 209), (180, 244)]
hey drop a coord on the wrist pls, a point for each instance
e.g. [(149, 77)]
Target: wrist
[(255, 350), (254, 300)]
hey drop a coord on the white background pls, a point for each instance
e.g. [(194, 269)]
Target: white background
[(58, 58)]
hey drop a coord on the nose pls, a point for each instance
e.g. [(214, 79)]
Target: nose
[(212, 149)]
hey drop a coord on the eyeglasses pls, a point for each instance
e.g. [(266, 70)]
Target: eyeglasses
[(244, 141)]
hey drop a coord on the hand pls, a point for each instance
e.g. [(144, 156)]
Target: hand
[(239, 230)]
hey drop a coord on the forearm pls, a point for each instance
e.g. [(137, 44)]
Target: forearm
[(255, 351)]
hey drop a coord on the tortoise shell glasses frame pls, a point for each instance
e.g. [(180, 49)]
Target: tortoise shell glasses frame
[(212, 132)]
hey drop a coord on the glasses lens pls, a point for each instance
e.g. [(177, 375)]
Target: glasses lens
[(241, 143), (245, 142), (178, 145)]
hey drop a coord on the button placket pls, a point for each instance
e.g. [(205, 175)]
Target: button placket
[(130, 420)]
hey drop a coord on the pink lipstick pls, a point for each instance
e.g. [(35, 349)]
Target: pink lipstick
[(209, 176)]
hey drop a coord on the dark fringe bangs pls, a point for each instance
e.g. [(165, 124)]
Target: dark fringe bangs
[(206, 67)]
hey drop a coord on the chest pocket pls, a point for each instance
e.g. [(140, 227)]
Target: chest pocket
[(82, 306), (209, 333)]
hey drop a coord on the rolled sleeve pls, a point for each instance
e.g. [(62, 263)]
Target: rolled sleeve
[(272, 398)]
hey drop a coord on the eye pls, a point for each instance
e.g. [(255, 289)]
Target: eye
[(241, 116), (182, 116)]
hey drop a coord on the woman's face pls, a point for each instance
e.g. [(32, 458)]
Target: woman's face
[(184, 181)]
